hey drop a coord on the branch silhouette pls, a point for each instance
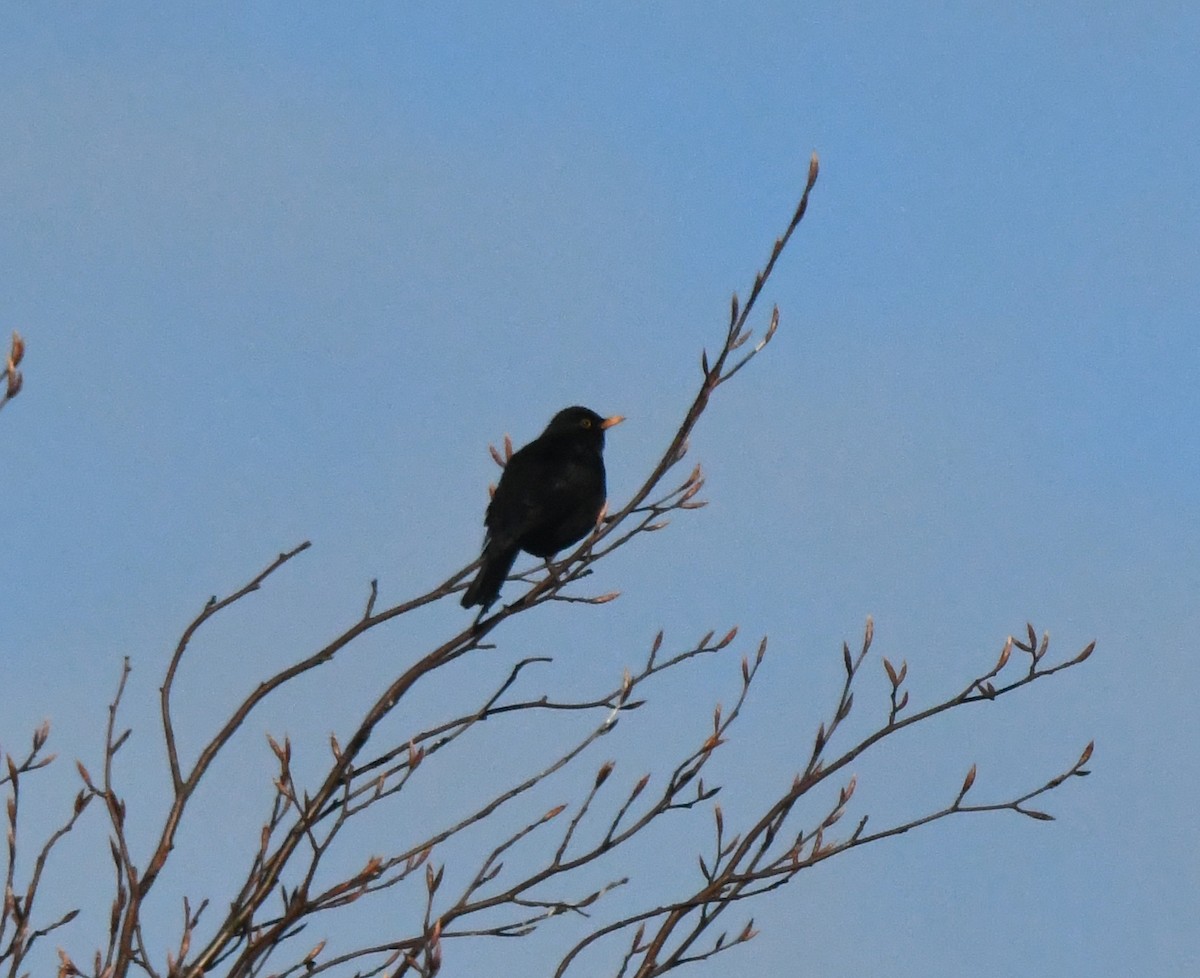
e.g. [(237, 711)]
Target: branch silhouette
[(542, 867)]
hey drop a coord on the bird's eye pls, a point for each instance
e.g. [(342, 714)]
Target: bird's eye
[(586, 422)]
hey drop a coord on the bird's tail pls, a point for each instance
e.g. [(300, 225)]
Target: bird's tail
[(496, 563)]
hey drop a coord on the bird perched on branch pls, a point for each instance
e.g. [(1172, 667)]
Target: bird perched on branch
[(549, 497)]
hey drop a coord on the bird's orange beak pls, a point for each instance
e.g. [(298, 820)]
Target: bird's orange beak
[(615, 420)]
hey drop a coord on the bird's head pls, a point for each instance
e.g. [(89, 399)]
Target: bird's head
[(583, 422)]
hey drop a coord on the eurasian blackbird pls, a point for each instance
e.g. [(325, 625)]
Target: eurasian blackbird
[(549, 497)]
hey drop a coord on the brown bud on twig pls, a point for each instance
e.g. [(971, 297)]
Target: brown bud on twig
[(415, 860), (1004, 654), (966, 785), (1091, 646), (771, 327), (891, 671), (284, 753), (729, 637), (17, 353), (691, 490), (1086, 755), (847, 705), (435, 949), (602, 775)]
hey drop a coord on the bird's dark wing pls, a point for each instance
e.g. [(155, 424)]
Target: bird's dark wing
[(548, 504), (511, 512), (526, 495)]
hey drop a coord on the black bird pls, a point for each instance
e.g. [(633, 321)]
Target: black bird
[(549, 497)]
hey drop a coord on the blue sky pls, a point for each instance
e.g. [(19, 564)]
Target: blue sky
[(284, 270)]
